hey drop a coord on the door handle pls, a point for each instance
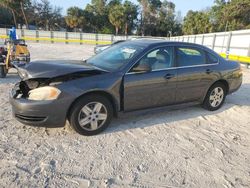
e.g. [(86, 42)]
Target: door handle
[(208, 71), (168, 76)]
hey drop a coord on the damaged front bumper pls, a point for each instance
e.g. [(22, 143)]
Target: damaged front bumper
[(51, 113)]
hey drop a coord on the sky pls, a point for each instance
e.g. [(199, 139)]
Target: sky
[(181, 5)]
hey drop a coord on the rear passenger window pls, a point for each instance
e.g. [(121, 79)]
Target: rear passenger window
[(211, 59), (187, 56)]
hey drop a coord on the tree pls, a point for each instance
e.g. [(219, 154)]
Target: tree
[(75, 18), (99, 6), (130, 14), (96, 15), (10, 5), (237, 14), (166, 24), (234, 14), (113, 3), (116, 17), (158, 18), (5, 17), (17, 8), (196, 22), (21, 3), (149, 16), (217, 18), (45, 15)]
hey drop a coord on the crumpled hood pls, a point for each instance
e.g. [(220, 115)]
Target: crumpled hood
[(51, 69)]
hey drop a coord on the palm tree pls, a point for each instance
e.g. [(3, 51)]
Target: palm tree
[(74, 18), (116, 17)]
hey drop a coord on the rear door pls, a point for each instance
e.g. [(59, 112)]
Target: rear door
[(154, 88), (194, 73)]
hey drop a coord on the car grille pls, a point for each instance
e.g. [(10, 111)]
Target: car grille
[(30, 118)]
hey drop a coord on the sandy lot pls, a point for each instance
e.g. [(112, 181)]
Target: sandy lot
[(187, 147)]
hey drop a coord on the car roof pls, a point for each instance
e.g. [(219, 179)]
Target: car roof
[(152, 43), (148, 42)]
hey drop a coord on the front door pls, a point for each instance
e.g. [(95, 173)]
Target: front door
[(154, 88)]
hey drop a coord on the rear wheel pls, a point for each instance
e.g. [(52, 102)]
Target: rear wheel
[(3, 71), (91, 115), (215, 97)]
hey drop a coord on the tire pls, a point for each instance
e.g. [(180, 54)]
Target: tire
[(215, 97), (3, 71), (87, 115)]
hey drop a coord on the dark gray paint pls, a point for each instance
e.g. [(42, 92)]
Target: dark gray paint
[(127, 91), (50, 69), (150, 89)]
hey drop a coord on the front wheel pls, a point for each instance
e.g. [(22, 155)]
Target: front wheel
[(91, 114), (215, 97)]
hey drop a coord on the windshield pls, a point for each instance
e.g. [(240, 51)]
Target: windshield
[(115, 56)]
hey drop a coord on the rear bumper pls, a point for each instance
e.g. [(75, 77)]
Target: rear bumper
[(39, 113)]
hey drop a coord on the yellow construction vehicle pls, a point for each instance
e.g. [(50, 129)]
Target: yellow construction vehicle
[(14, 53)]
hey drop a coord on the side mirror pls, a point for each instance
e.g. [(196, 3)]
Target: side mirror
[(141, 68)]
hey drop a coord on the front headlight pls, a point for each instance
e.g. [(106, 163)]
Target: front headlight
[(44, 93)]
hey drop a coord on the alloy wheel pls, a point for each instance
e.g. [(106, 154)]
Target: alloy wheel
[(92, 116), (216, 97)]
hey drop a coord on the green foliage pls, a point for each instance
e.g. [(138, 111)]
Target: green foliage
[(130, 16), (230, 15), (116, 17), (46, 16), (5, 17), (149, 17), (107, 30), (237, 14), (224, 15), (101, 16), (196, 22), (96, 15), (158, 18), (75, 18), (11, 5)]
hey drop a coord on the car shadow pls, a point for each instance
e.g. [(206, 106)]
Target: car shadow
[(167, 115)]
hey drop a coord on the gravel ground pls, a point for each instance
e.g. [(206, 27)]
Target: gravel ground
[(187, 147)]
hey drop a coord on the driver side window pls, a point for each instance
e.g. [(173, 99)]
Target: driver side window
[(158, 59)]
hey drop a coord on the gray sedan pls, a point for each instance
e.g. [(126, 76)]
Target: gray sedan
[(128, 76)]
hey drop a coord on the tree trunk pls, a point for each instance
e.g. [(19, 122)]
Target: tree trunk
[(116, 30), (126, 28), (14, 17), (24, 16), (142, 24), (47, 25)]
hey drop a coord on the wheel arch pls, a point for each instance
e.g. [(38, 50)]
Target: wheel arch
[(222, 81), (109, 96)]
